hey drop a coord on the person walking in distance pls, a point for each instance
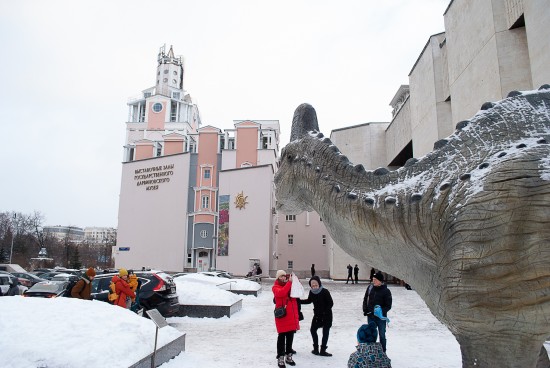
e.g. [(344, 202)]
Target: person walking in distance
[(372, 272), (322, 314), (356, 273), (312, 270), (378, 295), (83, 288), (289, 323), (350, 277)]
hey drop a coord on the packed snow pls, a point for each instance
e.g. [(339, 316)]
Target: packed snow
[(67, 332)]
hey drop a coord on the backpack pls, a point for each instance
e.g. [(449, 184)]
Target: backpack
[(113, 296)]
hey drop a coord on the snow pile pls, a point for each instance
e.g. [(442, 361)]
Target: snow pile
[(67, 332), (196, 289)]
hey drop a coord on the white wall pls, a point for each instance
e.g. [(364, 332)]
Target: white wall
[(153, 224)]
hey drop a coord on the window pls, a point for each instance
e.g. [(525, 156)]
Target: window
[(290, 264), (173, 111), (175, 72), (157, 107), (207, 173), (324, 239), (165, 80), (159, 150), (174, 81), (165, 71), (290, 217), (205, 201), (189, 258), (290, 239), (146, 94), (176, 95), (204, 234)]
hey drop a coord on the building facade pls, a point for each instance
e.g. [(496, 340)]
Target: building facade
[(71, 233), (489, 48), (195, 198)]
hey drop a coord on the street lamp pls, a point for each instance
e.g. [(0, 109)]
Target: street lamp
[(13, 235)]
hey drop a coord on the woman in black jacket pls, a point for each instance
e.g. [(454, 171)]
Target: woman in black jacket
[(322, 314)]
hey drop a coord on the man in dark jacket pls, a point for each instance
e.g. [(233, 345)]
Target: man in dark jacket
[(378, 294)]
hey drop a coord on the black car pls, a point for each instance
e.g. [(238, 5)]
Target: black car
[(157, 291), (50, 289)]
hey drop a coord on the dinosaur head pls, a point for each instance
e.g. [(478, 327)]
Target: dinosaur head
[(291, 196)]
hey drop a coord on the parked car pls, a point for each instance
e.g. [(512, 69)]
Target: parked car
[(218, 273), (158, 290), (5, 278), (33, 279), (5, 281), (49, 289), (49, 275)]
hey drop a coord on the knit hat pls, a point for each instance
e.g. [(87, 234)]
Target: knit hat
[(280, 273), (367, 333), (123, 272), (379, 276), (90, 272), (316, 278)]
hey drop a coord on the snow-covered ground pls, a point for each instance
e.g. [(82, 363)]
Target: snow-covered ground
[(67, 332), (248, 338)]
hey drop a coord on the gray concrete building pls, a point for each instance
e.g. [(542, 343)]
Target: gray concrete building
[(488, 48)]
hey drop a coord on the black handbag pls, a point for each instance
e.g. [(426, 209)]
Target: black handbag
[(280, 312)]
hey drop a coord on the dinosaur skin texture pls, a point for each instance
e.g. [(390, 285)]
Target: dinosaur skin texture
[(467, 225)]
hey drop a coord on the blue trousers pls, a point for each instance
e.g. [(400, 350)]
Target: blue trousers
[(381, 324)]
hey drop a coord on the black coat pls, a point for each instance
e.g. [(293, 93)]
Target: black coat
[(377, 295), (322, 307)]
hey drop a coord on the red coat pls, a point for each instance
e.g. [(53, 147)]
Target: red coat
[(290, 321), (123, 290)]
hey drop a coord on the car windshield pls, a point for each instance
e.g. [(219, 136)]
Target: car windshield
[(47, 287)]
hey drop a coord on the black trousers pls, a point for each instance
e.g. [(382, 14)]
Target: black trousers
[(324, 340), (284, 343)]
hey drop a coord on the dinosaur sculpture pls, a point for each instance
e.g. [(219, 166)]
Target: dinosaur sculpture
[(468, 224)]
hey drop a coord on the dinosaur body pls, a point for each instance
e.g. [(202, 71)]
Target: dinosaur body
[(468, 225)]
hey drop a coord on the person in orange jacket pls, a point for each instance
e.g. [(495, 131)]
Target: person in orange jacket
[(123, 290)]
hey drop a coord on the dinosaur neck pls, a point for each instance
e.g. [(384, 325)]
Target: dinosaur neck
[(344, 194)]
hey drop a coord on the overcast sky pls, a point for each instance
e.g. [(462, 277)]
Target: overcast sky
[(69, 67)]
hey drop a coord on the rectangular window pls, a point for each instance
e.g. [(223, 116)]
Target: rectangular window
[(189, 259), (207, 173), (205, 201), (176, 95), (290, 217), (290, 264), (324, 239), (173, 111), (290, 239)]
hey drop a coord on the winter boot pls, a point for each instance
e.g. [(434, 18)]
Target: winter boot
[(281, 362), (288, 359), (324, 351), (315, 350)]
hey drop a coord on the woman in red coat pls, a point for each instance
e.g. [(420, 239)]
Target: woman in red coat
[(287, 325), (123, 290)]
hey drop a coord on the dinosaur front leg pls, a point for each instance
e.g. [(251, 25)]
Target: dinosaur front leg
[(499, 351)]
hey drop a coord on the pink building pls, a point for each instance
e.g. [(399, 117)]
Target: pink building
[(197, 198)]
